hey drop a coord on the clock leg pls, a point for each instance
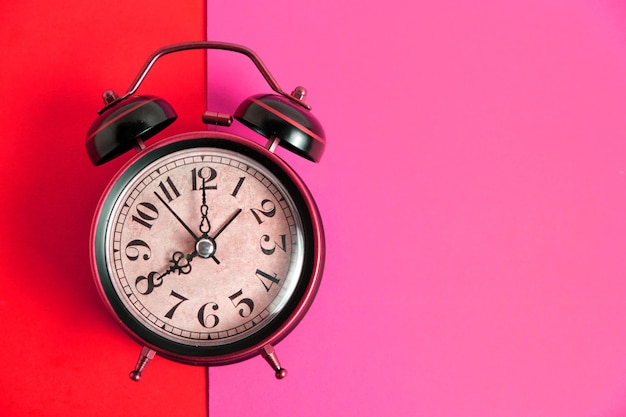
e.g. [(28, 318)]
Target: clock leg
[(144, 357), (269, 354)]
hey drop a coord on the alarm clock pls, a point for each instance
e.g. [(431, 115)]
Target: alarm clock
[(206, 247)]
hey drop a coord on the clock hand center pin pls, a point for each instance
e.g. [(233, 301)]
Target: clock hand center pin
[(205, 248)]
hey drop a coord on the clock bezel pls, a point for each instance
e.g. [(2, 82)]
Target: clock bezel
[(286, 319)]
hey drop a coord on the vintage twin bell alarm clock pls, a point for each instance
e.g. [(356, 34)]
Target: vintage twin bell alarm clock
[(207, 247)]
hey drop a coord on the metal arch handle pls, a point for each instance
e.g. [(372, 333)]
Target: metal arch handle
[(166, 50)]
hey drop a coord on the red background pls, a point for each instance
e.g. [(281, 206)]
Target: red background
[(473, 193), (60, 352)]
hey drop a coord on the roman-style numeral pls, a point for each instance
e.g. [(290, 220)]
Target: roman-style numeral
[(168, 189), (135, 248), (146, 213), (270, 250), (264, 277), (268, 209), (182, 298), (238, 186), (238, 302), (206, 175), (208, 320)]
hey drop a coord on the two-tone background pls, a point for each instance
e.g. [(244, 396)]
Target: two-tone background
[(473, 192)]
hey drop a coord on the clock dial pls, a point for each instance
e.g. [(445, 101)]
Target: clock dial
[(204, 247)]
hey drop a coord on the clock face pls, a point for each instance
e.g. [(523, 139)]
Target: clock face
[(204, 246)]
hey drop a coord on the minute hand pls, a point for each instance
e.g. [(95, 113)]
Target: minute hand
[(229, 221)]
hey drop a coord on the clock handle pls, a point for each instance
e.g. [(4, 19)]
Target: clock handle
[(126, 122), (269, 354), (144, 357), (203, 45)]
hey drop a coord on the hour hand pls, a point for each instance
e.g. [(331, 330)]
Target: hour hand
[(180, 263)]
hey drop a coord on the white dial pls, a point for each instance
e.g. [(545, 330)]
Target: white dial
[(203, 246)]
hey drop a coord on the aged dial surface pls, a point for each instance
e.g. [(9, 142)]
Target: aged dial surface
[(203, 246)]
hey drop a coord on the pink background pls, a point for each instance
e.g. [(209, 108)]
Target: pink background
[(473, 193)]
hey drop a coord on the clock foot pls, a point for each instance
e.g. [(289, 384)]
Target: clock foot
[(144, 357), (269, 354)]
